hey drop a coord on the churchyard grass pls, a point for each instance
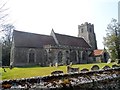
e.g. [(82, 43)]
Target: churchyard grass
[(26, 72)]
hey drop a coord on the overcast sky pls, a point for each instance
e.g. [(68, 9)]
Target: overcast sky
[(64, 16)]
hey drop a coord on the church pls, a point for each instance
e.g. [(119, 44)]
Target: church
[(45, 50)]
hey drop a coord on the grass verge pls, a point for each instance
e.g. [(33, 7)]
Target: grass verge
[(26, 72)]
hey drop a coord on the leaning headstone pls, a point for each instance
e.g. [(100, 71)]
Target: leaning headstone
[(50, 65), (70, 63), (56, 64), (68, 69), (109, 61), (95, 67)]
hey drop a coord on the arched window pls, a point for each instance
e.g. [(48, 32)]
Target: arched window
[(67, 57), (79, 56), (67, 54), (31, 56), (73, 57), (45, 58), (60, 57), (82, 30), (45, 55), (83, 55)]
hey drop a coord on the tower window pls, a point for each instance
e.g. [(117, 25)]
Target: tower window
[(90, 30), (82, 30)]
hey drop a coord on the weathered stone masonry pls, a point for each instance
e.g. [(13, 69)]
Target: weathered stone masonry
[(47, 50)]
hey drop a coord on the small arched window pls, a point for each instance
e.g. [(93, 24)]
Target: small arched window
[(60, 57), (31, 56), (83, 55), (73, 56)]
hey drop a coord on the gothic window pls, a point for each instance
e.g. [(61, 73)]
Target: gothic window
[(67, 54), (60, 57), (73, 56), (31, 56), (79, 56), (67, 57), (82, 30), (50, 55)]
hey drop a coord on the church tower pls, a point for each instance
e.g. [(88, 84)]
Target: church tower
[(86, 31)]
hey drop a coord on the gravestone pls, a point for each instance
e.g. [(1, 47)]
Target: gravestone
[(50, 65), (109, 61), (56, 64)]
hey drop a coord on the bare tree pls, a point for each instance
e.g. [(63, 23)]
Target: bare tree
[(6, 36), (3, 16), (6, 43), (3, 13)]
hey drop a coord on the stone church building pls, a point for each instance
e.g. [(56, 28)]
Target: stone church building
[(44, 50)]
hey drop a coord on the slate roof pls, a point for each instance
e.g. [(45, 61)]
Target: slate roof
[(71, 41), (25, 39)]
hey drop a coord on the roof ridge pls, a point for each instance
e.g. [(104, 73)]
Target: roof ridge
[(69, 35), (31, 33), (26, 39)]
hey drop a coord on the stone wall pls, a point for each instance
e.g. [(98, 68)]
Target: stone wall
[(108, 79), (21, 56), (49, 56)]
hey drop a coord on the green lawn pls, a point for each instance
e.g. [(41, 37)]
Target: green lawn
[(25, 72)]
